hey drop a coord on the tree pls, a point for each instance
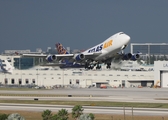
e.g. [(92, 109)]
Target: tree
[(165, 58), (147, 60), (77, 110), (92, 116), (55, 117), (161, 58), (47, 115), (62, 114), (139, 61), (3, 116), (15, 116), (86, 117)]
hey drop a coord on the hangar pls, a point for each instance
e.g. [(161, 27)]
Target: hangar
[(161, 73), (128, 76)]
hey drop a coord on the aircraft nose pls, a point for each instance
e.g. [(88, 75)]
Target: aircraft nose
[(127, 39)]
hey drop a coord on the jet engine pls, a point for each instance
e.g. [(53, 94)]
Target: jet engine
[(127, 56), (135, 57), (51, 58), (79, 57)]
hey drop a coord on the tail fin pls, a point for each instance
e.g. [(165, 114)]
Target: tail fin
[(61, 49), (9, 68)]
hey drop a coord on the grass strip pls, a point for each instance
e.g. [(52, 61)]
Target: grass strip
[(89, 103)]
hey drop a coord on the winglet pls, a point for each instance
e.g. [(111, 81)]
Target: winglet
[(61, 49), (139, 52)]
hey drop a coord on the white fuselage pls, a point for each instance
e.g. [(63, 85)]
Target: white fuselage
[(110, 46)]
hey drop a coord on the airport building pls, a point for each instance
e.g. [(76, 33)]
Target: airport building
[(80, 78), (130, 75), (127, 76), (150, 48), (161, 73), (151, 51)]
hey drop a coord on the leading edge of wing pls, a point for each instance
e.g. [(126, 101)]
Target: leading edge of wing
[(45, 55), (87, 55), (61, 55), (34, 55)]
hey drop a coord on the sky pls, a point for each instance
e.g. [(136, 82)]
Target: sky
[(80, 24)]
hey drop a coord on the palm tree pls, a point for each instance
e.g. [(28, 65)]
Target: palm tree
[(77, 110), (63, 114), (55, 117), (47, 115), (92, 116)]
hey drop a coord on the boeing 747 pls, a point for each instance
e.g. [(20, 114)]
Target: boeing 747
[(104, 52)]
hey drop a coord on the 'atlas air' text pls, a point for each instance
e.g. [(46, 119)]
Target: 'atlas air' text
[(100, 47)]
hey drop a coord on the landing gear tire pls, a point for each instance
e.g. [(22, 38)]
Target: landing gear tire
[(86, 65), (98, 66), (90, 67), (108, 65)]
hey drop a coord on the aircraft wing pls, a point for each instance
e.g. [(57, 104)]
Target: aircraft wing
[(33, 55), (51, 57), (53, 64), (45, 55), (127, 56), (91, 55)]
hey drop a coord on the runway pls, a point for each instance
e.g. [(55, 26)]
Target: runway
[(87, 109), (142, 95), (147, 95)]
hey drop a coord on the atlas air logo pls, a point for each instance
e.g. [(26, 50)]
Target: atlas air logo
[(100, 47)]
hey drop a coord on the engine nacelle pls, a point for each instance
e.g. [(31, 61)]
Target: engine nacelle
[(127, 56), (79, 57), (51, 58), (135, 57)]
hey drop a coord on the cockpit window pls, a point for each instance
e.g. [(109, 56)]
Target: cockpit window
[(121, 33)]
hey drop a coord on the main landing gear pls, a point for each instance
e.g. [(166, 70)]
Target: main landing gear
[(108, 65), (88, 66), (91, 66), (98, 66)]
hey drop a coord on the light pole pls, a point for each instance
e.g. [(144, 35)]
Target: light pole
[(37, 76), (63, 77)]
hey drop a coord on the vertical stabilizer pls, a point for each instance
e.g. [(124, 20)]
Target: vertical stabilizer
[(61, 49), (9, 68)]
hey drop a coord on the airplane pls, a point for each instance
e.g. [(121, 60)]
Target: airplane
[(6, 67), (64, 63), (104, 52)]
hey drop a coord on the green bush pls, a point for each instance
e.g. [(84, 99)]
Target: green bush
[(3, 116)]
